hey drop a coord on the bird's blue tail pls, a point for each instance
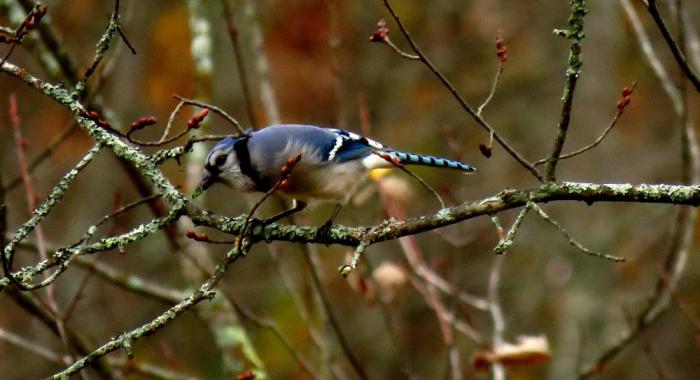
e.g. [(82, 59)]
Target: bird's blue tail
[(439, 162)]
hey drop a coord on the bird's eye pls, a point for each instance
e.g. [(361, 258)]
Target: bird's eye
[(221, 160)]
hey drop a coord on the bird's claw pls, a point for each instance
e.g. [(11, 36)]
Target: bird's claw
[(323, 233)]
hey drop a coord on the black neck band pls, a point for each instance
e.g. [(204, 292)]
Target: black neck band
[(247, 169)]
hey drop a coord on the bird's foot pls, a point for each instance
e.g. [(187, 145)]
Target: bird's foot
[(323, 233)]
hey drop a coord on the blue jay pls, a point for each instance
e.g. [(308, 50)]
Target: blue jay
[(333, 163)]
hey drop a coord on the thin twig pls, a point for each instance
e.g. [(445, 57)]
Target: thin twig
[(432, 278), (125, 281), (46, 153), (646, 345), (29, 304), (31, 206), (68, 313), (652, 58), (204, 238), (463, 103), (575, 36), (417, 265), (671, 43), (240, 64), (261, 62), (125, 339), (159, 142), (132, 283), (499, 324), (682, 306), (164, 139), (54, 45), (397, 164), (571, 240), (347, 268), (175, 153), (216, 110), (611, 125), (692, 37), (33, 18), (114, 214), (327, 314), (37, 216), (505, 243), (492, 92), (194, 122), (120, 30), (150, 370), (171, 119), (30, 346), (101, 49), (277, 332), (69, 73), (676, 258), (502, 55), (446, 315), (401, 52)]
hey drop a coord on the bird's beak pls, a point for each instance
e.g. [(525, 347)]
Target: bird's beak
[(207, 181)]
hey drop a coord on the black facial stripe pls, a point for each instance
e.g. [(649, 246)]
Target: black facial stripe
[(211, 169), (243, 155), (220, 160)]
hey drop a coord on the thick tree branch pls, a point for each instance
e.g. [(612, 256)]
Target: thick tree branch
[(505, 200)]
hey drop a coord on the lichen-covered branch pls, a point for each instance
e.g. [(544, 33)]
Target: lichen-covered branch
[(125, 340), (41, 211), (575, 36), (147, 166), (505, 200)]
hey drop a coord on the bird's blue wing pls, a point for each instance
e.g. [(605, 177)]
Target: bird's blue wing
[(350, 146)]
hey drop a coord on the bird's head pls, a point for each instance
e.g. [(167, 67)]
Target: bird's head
[(221, 165)]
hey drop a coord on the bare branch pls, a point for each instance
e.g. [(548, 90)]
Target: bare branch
[(463, 103), (575, 36), (627, 91), (215, 109), (277, 332), (125, 339), (671, 43), (568, 237), (240, 64)]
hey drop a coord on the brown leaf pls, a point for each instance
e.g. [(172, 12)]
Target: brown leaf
[(527, 350)]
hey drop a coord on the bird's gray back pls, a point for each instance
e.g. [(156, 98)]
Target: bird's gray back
[(276, 144)]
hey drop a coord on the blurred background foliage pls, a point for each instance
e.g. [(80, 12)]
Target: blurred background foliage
[(321, 65)]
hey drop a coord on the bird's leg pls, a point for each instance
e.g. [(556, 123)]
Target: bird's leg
[(296, 207), (326, 227)]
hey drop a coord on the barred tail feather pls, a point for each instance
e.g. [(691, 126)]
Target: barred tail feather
[(406, 158)]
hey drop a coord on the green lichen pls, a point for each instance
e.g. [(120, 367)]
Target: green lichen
[(575, 36)]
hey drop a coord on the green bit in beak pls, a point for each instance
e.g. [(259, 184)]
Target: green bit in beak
[(197, 192), (207, 181)]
